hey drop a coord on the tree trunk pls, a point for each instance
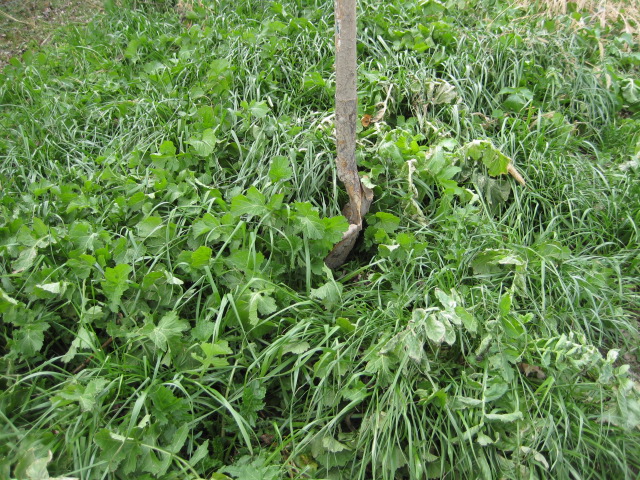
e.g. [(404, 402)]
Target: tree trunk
[(360, 197)]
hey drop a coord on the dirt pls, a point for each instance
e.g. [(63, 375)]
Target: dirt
[(26, 24)]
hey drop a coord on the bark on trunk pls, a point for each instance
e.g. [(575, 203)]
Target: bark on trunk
[(360, 197)]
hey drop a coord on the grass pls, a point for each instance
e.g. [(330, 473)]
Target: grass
[(168, 197)]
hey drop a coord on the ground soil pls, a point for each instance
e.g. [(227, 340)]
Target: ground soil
[(27, 24)]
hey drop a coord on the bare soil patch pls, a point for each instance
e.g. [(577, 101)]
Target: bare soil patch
[(26, 24)]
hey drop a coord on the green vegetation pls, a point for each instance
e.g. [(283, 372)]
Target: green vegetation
[(168, 195)]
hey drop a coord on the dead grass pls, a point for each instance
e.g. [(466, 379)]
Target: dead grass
[(604, 12)]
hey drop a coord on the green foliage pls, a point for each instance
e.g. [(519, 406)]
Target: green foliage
[(168, 198)]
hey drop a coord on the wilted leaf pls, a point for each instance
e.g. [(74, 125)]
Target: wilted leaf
[(25, 260), (531, 370), (296, 347), (332, 445), (504, 417), (435, 329)]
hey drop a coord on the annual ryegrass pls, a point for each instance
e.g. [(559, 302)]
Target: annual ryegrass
[(168, 196)]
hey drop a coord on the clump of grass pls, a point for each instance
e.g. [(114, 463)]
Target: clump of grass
[(169, 196)]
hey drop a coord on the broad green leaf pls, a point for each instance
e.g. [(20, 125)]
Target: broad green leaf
[(200, 258), (203, 330), (169, 328), (208, 225), (131, 52), (345, 324), (356, 392), (495, 390), (172, 279), (82, 265), (218, 67), (383, 366), (178, 439), (437, 397), (114, 448), (552, 250), (449, 331), (309, 220), (259, 109), (387, 221), (334, 228), (468, 320), (330, 293), (167, 148), (313, 79), (253, 394), (29, 339), (505, 304), (248, 468), (26, 237), (252, 204), (260, 302), (413, 344), (207, 116), (92, 314), (517, 98), (84, 395), (82, 235), (212, 352), (151, 279), (490, 260), (32, 465), (116, 283), (55, 288), (449, 302), (167, 407), (460, 402), (512, 326), (483, 150), (440, 92), (6, 301), (150, 227), (204, 146), (84, 340), (275, 202), (200, 454), (484, 440), (280, 169)]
